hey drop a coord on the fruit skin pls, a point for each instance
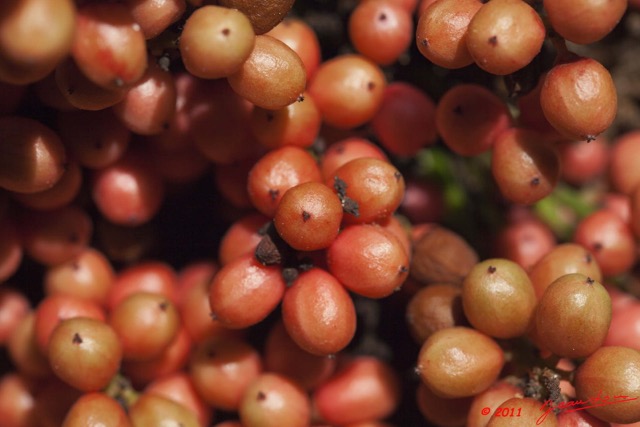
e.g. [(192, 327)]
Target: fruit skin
[(109, 46), (154, 410), (263, 14), (381, 30), (364, 388), (452, 18), (35, 35), (216, 41), (584, 22), (368, 260), (504, 36), (272, 77), (608, 375), (573, 316), (318, 313), (86, 353), (579, 98), (470, 117), (242, 283), (308, 216), (32, 156), (273, 400), (459, 362), (525, 165), (221, 368), (498, 298), (96, 409), (348, 89)]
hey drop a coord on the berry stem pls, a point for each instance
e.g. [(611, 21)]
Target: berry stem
[(121, 389)]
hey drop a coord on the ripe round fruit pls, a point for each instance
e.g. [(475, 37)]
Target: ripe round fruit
[(348, 90), (32, 156), (573, 316), (584, 22), (442, 31), (35, 35), (498, 298), (273, 400), (608, 372), (504, 36), (308, 216), (368, 260), (85, 353), (579, 98), (375, 186), (525, 166), (272, 77), (459, 362), (215, 41), (263, 14), (318, 313)]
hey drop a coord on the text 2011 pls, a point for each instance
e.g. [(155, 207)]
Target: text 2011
[(507, 412)]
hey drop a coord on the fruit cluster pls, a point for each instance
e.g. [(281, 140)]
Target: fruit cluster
[(374, 213)]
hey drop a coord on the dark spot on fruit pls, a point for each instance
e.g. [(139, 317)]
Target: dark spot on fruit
[(535, 181), (77, 339), (588, 258), (273, 194), (164, 305), (350, 206), (590, 281), (118, 82), (226, 31), (71, 90), (165, 126), (493, 40), (458, 110), (265, 228), (300, 98), (213, 316), (424, 42), (403, 269), (306, 216), (289, 275), (261, 395), (211, 353), (267, 252), (340, 186), (75, 266), (371, 86), (382, 17), (397, 176), (492, 269), (74, 238), (590, 138), (597, 246)]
